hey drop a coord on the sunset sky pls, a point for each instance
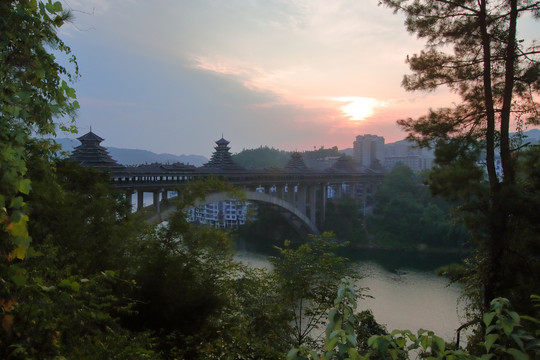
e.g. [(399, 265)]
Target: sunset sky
[(174, 75)]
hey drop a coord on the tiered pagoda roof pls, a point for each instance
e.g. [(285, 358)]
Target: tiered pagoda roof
[(296, 163), (344, 164), (91, 153), (221, 158)]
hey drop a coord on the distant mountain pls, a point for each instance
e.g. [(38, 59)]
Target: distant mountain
[(533, 136), (135, 156)]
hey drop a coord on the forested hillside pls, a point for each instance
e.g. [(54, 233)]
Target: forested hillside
[(264, 157)]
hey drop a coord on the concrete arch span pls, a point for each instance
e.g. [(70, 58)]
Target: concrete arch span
[(299, 220)]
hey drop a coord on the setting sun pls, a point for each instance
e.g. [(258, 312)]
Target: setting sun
[(358, 108)]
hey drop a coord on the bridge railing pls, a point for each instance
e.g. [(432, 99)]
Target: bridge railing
[(123, 180)]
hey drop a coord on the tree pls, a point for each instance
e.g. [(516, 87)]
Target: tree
[(262, 157), (307, 280), (198, 301), (343, 217), (48, 310), (75, 209), (497, 75), (406, 215), (311, 158), (267, 230), (253, 323), (33, 93), (65, 300), (181, 285)]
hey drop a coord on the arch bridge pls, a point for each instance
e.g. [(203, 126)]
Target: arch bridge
[(299, 191), (302, 195)]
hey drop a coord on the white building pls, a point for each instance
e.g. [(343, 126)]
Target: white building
[(407, 153), (368, 150), (222, 214)]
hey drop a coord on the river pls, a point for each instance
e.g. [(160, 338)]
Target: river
[(406, 292)]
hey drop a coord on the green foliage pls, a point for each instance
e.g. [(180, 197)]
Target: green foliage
[(472, 47), (262, 157), (75, 209), (521, 255), (55, 316), (311, 157), (180, 278), (273, 158), (64, 300), (365, 326), (199, 302), (504, 337), (406, 215), (343, 217), (267, 230), (457, 174), (521, 251), (307, 278), (340, 340), (33, 92), (253, 323)]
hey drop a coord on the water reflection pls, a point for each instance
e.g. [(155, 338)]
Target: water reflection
[(398, 261), (410, 299)]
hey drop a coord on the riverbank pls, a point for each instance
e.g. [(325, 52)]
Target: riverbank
[(432, 257), (418, 248)]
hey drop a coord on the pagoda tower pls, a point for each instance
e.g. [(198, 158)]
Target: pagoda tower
[(91, 153), (221, 158), (296, 163), (344, 164)]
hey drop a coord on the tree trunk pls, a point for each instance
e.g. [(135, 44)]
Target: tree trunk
[(497, 221), (506, 159), (488, 98)]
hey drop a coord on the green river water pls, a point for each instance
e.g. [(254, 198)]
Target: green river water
[(406, 292)]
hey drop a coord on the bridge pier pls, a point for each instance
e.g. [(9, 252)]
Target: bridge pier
[(156, 201), (312, 194), (364, 197), (140, 200), (301, 199), (324, 194), (129, 195), (290, 194), (164, 195), (339, 191), (287, 194)]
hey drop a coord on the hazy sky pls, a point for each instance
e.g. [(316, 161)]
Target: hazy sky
[(174, 75)]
